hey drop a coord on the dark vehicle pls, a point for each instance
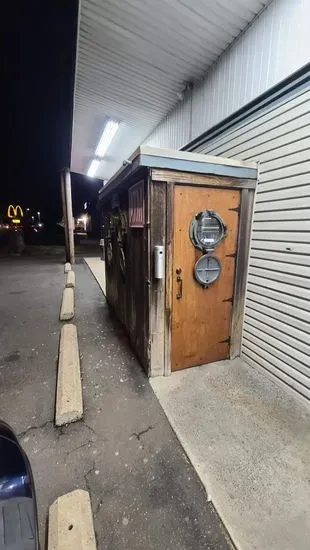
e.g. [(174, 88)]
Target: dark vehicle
[(18, 509)]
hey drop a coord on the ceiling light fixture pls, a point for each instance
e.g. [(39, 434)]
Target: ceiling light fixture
[(93, 167), (108, 134)]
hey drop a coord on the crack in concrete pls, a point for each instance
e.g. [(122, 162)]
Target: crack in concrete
[(90, 428), (98, 507), (30, 428), (86, 476), (61, 430), (89, 492), (88, 443), (143, 432)]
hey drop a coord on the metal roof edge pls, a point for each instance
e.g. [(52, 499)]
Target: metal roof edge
[(206, 166), (181, 161), (281, 89), (126, 170), (78, 20), (194, 157)]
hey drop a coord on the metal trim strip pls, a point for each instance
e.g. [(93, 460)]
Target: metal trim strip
[(181, 165), (280, 93)]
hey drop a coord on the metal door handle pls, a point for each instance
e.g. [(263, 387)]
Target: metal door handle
[(180, 291)]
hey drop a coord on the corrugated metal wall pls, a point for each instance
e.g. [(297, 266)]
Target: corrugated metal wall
[(274, 46), (277, 321)]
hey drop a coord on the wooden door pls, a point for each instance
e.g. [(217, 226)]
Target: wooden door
[(201, 317)]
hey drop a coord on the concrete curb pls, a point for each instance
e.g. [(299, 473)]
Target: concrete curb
[(67, 267), (70, 279), (67, 305), (69, 400), (70, 525)]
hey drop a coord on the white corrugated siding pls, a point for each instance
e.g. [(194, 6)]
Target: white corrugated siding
[(276, 45), (277, 320)]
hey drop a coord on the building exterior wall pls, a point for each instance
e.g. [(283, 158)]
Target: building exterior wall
[(126, 261), (276, 332), (275, 45)]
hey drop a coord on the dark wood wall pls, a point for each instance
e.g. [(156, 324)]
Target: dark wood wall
[(127, 292), (157, 287)]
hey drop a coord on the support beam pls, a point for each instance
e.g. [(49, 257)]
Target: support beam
[(64, 211), (68, 214)]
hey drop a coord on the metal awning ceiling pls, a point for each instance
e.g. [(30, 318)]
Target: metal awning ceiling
[(133, 58)]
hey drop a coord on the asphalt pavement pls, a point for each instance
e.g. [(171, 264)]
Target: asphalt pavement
[(144, 492)]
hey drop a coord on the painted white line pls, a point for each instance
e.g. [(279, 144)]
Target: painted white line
[(67, 267)]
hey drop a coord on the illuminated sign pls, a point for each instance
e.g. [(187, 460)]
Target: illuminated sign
[(13, 212)]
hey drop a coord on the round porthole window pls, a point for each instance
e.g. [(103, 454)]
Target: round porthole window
[(207, 229), (207, 270)]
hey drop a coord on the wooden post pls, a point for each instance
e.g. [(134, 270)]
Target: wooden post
[(64, 212), (67, 214)]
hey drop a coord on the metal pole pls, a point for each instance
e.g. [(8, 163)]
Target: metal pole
[(69, 215), (64, 212)]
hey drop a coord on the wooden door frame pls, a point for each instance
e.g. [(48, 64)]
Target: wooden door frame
[(247, 196)]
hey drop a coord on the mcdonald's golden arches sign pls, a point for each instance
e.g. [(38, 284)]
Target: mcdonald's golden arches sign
[(15, 211)]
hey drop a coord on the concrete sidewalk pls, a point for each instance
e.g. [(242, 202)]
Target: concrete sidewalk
[(144, 492), (97, 267), (249, 441)]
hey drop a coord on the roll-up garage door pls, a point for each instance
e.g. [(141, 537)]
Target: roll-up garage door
[(276, 333)]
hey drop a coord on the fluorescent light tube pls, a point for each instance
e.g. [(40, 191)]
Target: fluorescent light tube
[(108, 134), (93, 168)]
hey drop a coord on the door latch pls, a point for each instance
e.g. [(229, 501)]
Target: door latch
[(180, 283)]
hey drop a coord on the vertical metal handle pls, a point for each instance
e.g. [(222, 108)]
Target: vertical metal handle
[(179, 280)]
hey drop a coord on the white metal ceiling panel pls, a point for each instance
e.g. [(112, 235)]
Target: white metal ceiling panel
[(134, 56)]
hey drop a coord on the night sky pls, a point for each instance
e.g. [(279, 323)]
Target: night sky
[(40, 55)]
